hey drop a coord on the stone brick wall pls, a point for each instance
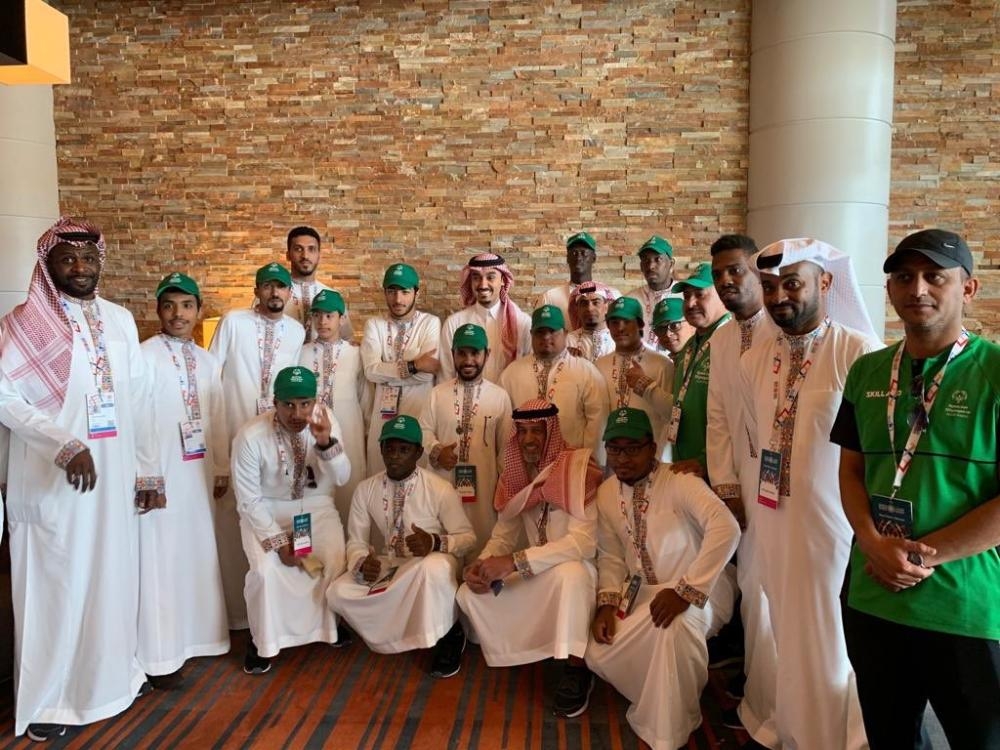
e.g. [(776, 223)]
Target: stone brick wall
[(198, 132)]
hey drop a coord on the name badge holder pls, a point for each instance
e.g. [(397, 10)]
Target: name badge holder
[(629, 596), (302, 534), (465, 482), (101, 421), (770, 478), (389, 401), (193, 447)]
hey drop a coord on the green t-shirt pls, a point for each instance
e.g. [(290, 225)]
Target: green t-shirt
[(953, 471), (693, 430)]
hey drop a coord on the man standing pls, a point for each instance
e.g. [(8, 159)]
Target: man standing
[(918, 430), (791, 387), (303, 255), (485, 291), (285, 466), (552, 373), (251, 347), (672, 331), (76, 394), (581, 252), (465, 423), (588, 308), (663, 539), (182, 608), (403, 598), (656, 261), (399, 355), (542, 594), (688, 423)]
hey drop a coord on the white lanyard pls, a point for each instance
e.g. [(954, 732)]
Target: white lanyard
[(542, 376), (186, 376), (692, 360), (465, 417), (325, 361), (782, 412), (298, 450), (394, 519), (267, 354), (94, 344)]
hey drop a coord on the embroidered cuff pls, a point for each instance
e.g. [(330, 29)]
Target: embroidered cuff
[(445, 538), (727, 491), (68, 452), (275, 542), (690, 594), (641, 385), (612, 598), (521, 564), (433, 455), (402, 370), (332, 452), (149, 483)]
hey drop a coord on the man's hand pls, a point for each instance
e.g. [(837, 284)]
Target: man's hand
[(147, 500), (427, 362), (688, 466), (666, 606), (319, 425), (604, 624), (420, 543), (370, 568), (221, 487), (496, 568), (287, 556), (81, 472), (447, 458), (575, 351), (473, 577), (888, 564), (634, 375)]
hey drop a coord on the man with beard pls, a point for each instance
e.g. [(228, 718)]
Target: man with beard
[(656, 261), (581, 252), (688, 423), (588, 306), (303, 255), (634, 375), (76, 393), (285, 466), (542, 597), (182, 608), (485, 291), (663, 540), (403, 597), (672, 331), (792, 384), (465, 423), (550, 372), (251, 347), (399, 355)]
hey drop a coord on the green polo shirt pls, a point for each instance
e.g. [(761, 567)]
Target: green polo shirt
[(693, 430), (953, 471)]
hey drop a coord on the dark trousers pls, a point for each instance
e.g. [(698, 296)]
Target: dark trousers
[(900, 668)]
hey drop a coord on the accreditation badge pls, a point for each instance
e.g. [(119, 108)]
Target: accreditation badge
[(770, 477), (302, 534), (892, 516), (192, 440), (388, 405), (465, 482), (264, 405), (674, 425), (629, 596), (101, 421)]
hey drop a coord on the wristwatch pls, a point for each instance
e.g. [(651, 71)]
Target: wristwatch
[(411, 368)]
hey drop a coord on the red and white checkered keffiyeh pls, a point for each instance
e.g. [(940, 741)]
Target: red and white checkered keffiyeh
[(38, 342), (567, 478), (587, 287), (508, 308)]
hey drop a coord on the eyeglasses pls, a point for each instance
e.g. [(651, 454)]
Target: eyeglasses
[(625, 450), (918, 416), (674, 327)]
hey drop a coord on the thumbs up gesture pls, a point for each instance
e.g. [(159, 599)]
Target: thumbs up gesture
[(420, 542)]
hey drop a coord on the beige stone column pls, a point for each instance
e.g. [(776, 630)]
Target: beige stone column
[(821, 85)]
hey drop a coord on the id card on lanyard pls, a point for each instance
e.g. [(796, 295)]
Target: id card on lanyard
[(676, 411), (101, 415), (193, 446)]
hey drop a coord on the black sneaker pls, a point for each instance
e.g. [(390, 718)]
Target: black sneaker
[(735, 685), (344, 637), (731, 719), (448, 653), (722, 652), (165, 681), (253, 662), (573, 693), (45, 732), (144, 689)]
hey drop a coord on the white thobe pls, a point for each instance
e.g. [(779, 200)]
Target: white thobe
[(299, 300), (418, 607), (238, 344), (386, 368), (182, 609), (656, 398), (559, 296), (490, 320), (649, 298), (75, 557), (343, 387), (576, 388), (591, 344), (285, 606), (690, 535), (489, 424), (544, 612), (801, 548)]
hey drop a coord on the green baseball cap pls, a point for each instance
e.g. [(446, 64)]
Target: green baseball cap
[(179, 281), (404, 427), (667, 311), (328, 301), (581, 238), (470, 336), (628, 423), (625, 308), (400, 275), (700, 279), (294, 382), (548, 316), (273, 272), (658, 245)]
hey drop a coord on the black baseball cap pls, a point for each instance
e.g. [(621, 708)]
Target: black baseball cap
[(941, 247)]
